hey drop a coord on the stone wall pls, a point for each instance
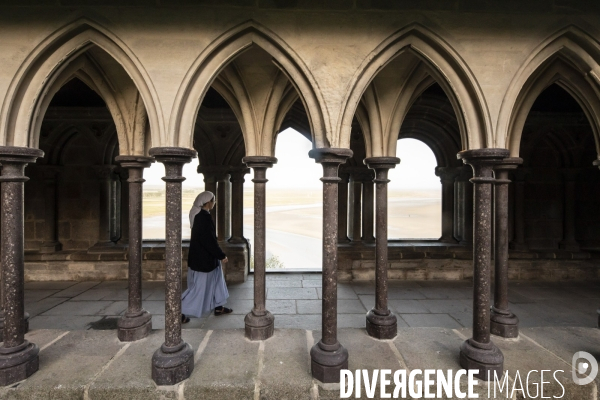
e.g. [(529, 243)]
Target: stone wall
[(419, 261)]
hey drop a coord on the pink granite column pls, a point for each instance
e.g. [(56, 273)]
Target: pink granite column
[(447, 177), (18, 357), (328, 356), (381, 322), (136, 323), (174, 360), (502, 321), (259, 323), (518, 242), (479, 352)]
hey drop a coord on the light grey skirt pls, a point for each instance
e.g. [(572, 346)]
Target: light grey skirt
[(204, 292)]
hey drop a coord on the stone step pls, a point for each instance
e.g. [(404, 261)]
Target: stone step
[(95, 365)]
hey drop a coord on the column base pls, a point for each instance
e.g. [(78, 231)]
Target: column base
[(18, 363), (569, 245), (485, 357), (171, 365), (25, 324), (382, 326), (259, 327), (326, 361), (51, 247), (135, 326), (504, 324)]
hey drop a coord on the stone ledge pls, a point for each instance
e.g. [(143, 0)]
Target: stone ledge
[(228, 366)]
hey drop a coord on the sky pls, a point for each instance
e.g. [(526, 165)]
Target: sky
[(294, 169)]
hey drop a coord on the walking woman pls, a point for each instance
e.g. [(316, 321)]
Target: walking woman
[(206, 289)]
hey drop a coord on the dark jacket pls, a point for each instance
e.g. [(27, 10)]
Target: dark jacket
[(205, 253)]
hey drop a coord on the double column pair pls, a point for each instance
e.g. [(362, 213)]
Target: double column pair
[(479, 352)]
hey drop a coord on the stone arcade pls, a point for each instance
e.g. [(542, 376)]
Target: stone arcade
[(92, 95)]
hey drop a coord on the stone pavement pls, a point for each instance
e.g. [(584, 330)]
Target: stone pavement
[(295, 301), (81, 357)]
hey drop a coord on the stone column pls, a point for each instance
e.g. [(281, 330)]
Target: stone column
[(570, 182), (480, 352), (466, 200), (223, 207), (502, 321), (259, 322), (381, 322), (104, 173), (343, 208), (124, 225), (367, 208), (237, 205), (447, 177), (210, 184), (354, 204), (328, 356), (518, 242), (18, 357), (51, 243), (174, 360), (136, 323)]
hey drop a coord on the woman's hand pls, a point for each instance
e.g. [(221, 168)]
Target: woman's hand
[(224, 261)]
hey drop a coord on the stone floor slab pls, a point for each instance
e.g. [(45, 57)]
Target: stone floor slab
[(78, 308), (407, 306), (291, 293), (76, 289), (286, 363), (38, 307), (68, 365), (343, 306), (50, 285), (70, 323), (226, 369), (430, 320), (130, 375), (31, 296), (296, 321)]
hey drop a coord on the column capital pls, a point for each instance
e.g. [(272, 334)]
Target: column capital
[(381, 162), (486, 156), (448, 173), (237, 174), (175, 155), (508, 164), (214, 172), (502, 169), (134, 161), (24, 155), (358, 174), (330, 155), (596, 163), (259, 161), (482, 161)]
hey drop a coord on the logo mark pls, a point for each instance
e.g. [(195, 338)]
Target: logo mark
[(581, 367)]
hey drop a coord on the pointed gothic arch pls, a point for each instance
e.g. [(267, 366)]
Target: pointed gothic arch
[(569, 58), (49, 65), (445, 66), (218, 55)]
